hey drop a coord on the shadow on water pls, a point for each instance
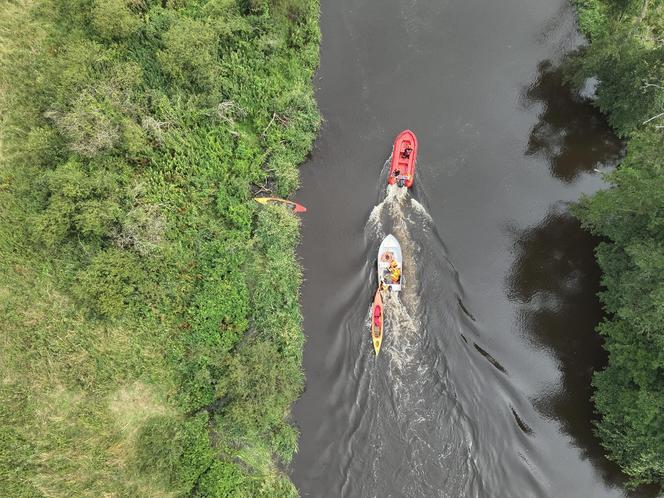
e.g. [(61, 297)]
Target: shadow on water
[(571, 133), (554, 281)]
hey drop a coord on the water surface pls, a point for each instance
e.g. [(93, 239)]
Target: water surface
[(482, 385)]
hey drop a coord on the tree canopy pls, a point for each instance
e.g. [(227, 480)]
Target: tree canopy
[(626, 54)]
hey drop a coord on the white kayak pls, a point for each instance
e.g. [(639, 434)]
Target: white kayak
[(390, 264)]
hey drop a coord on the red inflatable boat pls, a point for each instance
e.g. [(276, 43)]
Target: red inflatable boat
[(404, 154)]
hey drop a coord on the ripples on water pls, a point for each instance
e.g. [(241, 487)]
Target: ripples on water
[(435, 414)]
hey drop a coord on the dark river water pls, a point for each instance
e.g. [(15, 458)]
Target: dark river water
[(483, 382)]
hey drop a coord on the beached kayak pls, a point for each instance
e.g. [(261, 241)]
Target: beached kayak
[(404, 155), (294, 206), (377, 321), (390, 264)]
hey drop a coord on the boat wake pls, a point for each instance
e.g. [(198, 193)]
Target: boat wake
[(420, 446), (423, 402)]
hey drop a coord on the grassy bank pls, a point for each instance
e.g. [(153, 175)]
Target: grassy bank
[(626, 55), (151, 332)]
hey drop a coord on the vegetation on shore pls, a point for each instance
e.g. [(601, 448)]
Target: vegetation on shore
[(151, 332), (626, 55)]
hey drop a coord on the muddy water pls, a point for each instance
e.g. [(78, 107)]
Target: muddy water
[(482, 385)]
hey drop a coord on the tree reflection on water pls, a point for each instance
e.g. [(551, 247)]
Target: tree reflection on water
[(572, 134), (554, 281)]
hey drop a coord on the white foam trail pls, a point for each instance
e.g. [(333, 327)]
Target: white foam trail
[(395, 207), (403, 330), (374, 225), (407, 396), (394, 195), (415, 432), (420, 209)]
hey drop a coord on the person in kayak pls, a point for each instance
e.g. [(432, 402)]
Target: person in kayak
[(377, 314)]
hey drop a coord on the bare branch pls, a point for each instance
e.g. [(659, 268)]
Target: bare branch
[(274, 115), (654, 117), (644, 11)]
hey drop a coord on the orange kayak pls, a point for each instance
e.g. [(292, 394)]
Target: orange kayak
[(377, 321)]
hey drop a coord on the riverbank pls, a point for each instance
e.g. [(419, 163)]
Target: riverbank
[(152, 333), (626, 55)]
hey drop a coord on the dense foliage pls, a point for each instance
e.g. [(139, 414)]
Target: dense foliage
[(626, 54), (151, 333)]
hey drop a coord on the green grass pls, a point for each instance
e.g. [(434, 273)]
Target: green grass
[(151, 331)]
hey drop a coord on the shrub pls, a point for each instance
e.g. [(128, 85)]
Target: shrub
[(189, 56), (177, 450), (79, 203), (142, 229), (259, 387), (223, 480), (113, 20), (110, 283), (89, 126)]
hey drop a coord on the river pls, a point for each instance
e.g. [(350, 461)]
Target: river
[(483, 383)]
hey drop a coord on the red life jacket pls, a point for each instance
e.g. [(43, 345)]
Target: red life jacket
[(377, 315)]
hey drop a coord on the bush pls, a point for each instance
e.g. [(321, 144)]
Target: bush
[(79, 203), (189, 56), (110, 283), (177, 450), (89, 127), (142, 229), (223, 480), (284, 441), (113, 20), (277, 228), (259, 387)]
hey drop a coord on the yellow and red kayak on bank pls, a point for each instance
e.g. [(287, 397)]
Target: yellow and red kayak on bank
[(293, 206)]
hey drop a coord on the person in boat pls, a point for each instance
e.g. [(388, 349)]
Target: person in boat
[(377, 314), (395, 272), (396, 173), (406, 152)]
